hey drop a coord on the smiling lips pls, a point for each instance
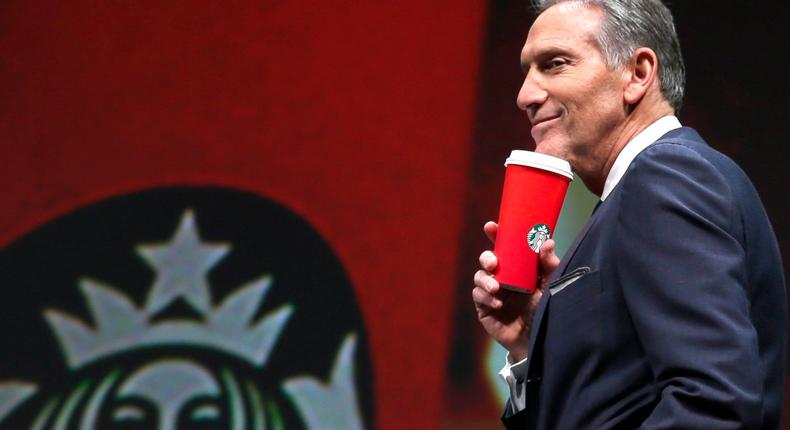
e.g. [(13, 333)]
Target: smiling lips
[(536, 122), (543, 119)]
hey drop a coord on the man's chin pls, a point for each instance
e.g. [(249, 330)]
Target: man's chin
[(546, 147)]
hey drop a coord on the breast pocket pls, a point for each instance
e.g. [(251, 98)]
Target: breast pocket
[(574, 326), (577, 289)]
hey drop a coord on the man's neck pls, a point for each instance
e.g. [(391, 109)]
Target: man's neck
[(635, 123)]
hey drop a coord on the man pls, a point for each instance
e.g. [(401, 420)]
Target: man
[(669, 309)]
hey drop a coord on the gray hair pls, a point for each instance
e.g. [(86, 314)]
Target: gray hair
[(631, 24)]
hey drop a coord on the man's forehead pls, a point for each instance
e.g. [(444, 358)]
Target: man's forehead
[(563, 27)]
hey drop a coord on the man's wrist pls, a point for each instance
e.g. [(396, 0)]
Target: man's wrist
[(514, 375)]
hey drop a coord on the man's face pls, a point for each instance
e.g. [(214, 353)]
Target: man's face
[(573, 100)]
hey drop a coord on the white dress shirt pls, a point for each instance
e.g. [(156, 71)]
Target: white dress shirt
[(636, 145)]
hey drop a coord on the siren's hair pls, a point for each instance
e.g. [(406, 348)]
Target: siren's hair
[(631, 24)]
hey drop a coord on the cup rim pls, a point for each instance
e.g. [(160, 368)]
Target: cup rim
[(540, 161)]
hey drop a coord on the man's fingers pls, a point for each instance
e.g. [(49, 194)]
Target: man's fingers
[(485, 300), (484, 280), (548, 256), (490, 229), (548, 259), (485, 289), (548, 247), (488, 261)]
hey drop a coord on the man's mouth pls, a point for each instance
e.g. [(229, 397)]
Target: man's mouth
[(541, 120), (540, 124)]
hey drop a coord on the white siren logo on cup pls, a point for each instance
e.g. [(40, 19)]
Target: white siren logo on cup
[(537, 236)]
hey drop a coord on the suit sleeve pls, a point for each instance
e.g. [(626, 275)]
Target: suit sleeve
[(683, 274)]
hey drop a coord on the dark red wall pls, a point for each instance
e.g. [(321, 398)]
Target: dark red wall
[(356, 115), (383, 124)]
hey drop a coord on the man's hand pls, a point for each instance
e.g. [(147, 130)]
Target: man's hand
[(507, 315)]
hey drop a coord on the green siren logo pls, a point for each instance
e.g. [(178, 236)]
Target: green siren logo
[(538, 234), (181, 358)]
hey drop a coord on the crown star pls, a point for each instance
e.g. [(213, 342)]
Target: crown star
[(181, 266), (121, 326)]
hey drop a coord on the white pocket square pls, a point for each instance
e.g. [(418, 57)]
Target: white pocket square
[(563, 281)]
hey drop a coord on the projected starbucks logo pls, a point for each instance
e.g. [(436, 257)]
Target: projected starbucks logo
[(206, 343)]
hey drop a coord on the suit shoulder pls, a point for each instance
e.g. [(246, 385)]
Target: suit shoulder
[(685, 147), (679, 177), (690, 140), (675, 159)]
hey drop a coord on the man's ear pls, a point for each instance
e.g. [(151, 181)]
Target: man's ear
[(642, 73)]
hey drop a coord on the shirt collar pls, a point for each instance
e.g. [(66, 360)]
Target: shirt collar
[(641, 141)]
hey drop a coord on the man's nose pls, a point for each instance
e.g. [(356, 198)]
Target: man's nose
[(531, 92)]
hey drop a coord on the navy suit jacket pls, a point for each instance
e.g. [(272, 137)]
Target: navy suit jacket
[(679, 318)]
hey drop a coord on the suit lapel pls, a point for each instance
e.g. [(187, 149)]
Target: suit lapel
[(536, 323), (575, 245), (540, 311)]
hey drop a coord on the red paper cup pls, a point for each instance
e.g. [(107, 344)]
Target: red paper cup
[(535, 187)]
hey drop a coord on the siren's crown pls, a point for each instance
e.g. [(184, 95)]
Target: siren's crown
[(181, 266)]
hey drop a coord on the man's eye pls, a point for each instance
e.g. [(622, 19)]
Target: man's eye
[(555, 63)]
